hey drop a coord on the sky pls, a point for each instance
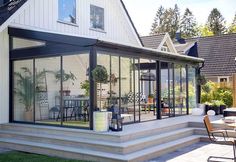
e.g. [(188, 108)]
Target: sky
[(143, 12)]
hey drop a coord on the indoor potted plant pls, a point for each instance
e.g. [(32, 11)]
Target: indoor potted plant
[(66, 78), (25, 88), (100, 76), (100, 122), (85, 85), (150, 98)]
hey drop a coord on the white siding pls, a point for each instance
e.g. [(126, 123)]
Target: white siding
[(4, 77), (43, 15)]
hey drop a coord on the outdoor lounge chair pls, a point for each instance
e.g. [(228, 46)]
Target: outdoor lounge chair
[(219, 136)]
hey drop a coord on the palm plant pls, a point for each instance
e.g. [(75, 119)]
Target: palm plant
[(25, 86)]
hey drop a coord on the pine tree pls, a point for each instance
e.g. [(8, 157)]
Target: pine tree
[(216, 22), (232, 27), (157, 21), (188, 25), (166, 21)]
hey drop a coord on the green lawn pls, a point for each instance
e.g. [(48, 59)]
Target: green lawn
[(25, 157)]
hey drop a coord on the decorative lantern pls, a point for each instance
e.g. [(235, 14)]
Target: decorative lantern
[(116, 123)]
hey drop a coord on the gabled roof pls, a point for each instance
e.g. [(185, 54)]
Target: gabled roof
[(8, 9), (219, 53), (152, 41), (132, 23), (158, 41)]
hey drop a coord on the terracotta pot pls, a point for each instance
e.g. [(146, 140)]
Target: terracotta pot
[(165, 110), (150, 100), (28, 116)]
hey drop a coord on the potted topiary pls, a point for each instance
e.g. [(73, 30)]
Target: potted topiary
[(100, 122), (100, 76)]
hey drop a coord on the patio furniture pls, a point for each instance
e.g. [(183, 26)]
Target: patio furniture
[(229, 112), (75, 107), (219, 136)]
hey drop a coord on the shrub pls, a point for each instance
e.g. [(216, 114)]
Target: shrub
[(225, 95)]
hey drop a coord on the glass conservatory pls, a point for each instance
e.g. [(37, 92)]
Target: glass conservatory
[(52, 80)]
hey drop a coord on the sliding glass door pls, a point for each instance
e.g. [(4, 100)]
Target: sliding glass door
[(47, 90), (52, 91)]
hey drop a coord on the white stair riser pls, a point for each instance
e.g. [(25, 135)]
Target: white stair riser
[(89, 135), (56, 153), (93, 146)]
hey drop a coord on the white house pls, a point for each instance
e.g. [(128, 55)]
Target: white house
[(49, 53), (50, 47)]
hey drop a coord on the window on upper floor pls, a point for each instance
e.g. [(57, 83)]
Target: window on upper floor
[(164, 48), (96, 17), (67, 11)]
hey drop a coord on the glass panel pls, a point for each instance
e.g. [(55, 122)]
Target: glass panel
[(127, 89), (19, 43), (148, 89), (180, 90), (171, 87), (104, 93), (96, 17), (75, 90), (138, 96), (23, 102), (67, 10), (165, 108), (192, 88), (47, 90)]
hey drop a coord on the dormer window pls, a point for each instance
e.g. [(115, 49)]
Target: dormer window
[(96, 17), (67, 11), (165, 49)]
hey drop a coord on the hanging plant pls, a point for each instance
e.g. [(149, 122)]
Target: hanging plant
[(201, 80)]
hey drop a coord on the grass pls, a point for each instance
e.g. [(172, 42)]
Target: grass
[(25, 157)]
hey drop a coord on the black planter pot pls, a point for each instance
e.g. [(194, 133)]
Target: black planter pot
[(206, 109), (214, 108), (222, 108)]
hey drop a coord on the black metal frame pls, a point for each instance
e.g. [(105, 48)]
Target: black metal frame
[(61, 45)]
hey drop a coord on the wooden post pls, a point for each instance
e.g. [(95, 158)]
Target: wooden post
[(234, 89)]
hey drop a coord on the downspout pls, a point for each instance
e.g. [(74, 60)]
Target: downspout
[(199, 86)]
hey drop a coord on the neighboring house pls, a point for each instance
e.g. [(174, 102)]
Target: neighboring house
[(219, 53), (50, 47), (160, 42)]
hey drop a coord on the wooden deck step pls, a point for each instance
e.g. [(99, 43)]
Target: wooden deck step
[(85, 154)]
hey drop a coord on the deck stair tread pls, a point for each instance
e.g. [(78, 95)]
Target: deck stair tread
[(109, 143), (135, 155), (117, 137)]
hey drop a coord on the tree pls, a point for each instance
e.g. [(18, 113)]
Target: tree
[(204, 31), (188, 25), (158, 20), (166, 21), (232, 27), (216, 22)]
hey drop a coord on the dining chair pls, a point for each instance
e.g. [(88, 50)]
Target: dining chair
[(219, 136)]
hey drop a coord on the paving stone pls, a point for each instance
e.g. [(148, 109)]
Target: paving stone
[(199, 152)]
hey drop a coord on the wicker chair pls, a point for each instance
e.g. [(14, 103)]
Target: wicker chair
[(219, 136)]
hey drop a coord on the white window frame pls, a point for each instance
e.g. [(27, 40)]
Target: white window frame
[(97, 29), (164, 49), (67, 22), (223, 77)]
